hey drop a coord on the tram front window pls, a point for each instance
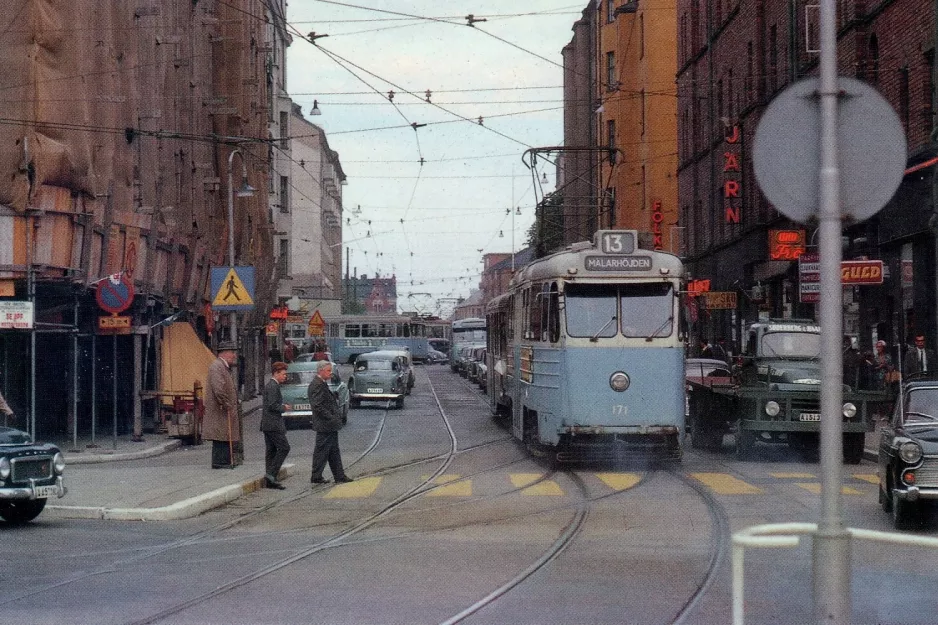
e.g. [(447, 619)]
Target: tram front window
[(647, 310), (591, 311)]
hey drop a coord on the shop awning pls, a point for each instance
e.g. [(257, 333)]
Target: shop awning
[(185, 359)]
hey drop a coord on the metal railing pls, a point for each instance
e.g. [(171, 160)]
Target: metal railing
[(788, 535)]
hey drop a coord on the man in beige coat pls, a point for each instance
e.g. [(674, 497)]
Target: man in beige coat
[(221, 424)]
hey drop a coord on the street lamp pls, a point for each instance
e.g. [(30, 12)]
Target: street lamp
[(246, 190)]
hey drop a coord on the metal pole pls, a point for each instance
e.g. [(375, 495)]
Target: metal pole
[(31, 294), (831, 564), (94, 388), (114, 389), (233, 315), (75, 377)]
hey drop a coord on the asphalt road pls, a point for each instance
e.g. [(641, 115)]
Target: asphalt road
[(449, 520)]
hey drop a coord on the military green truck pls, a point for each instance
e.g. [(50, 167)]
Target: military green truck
[(773, 395)]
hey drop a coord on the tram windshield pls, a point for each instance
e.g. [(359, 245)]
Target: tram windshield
[(641, 310)]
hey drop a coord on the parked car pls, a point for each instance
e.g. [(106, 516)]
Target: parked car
[(436, 358), (30, 473), (482, 371), (407, 365), (313, 357), (704, 370), (462, 357), (377, 376), (294, 389), (440, 345), (476, 356), (908, 453)]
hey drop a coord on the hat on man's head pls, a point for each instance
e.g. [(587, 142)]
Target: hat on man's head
[(227, 346)]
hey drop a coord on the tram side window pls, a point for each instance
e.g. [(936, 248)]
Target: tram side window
[(353, 330), (553, 315), (535, 304), (385, 329), (368, 330), (510, 334)]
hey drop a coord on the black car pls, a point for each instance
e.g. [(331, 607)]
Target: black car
[(908, 453), (30, 473)]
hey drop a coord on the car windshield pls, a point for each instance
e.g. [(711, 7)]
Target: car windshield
[(792, 344), (921, 405), (10, 436), (299, 377), (375, 365)]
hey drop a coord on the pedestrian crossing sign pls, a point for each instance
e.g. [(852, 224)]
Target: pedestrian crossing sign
[(232, 288)]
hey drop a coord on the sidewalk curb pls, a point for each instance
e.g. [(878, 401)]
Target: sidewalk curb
[(149, 452), (185, 509)]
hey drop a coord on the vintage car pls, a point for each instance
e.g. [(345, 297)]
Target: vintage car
[(435, 357), (30, 473), (482, 371), (908, 453), (476, 356), (407, 364), (378, 376), (463, 356), (293, 389)]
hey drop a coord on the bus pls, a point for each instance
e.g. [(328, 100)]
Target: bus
[(586, 352), (350, 335), (465, 332)]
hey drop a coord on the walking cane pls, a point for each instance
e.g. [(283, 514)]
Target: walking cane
[(231, 463)]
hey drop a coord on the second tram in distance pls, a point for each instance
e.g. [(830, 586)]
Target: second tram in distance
[(350, 335), (586, 352)]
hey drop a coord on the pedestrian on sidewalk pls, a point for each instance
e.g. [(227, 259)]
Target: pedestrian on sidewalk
[(327, 421), (220, 424), (273, 427), (8, 417)]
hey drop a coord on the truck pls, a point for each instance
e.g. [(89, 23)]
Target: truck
[(772, 394)]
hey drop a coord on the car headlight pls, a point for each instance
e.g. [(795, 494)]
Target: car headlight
[(850, 410), (772, 408), (4, 468), (619, 381), (58, 463), (910, 452)]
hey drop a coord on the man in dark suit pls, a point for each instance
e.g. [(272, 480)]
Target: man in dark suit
[(327, 421), (919, 359), (273, 427)]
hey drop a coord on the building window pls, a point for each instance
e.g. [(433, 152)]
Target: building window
[(773, 58), (749, 72), (610, 207), (904, 97), (610, 71), (611, 136), (284, 194), (284, 134), (283, 260), (610, 11)]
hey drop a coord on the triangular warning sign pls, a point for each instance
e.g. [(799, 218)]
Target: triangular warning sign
[(316, 319), (232, 292)]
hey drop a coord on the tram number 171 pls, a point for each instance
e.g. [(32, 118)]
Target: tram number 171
[(619, 410)]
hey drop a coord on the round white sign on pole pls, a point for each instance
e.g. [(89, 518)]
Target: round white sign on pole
[(871, 150)]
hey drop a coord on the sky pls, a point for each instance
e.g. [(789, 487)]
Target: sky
[(430, 224)]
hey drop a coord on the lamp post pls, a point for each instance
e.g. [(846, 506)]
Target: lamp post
[(246, 190)]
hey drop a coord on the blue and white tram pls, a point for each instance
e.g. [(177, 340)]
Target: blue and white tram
[(468, 331), (350, 335), (586, 351)]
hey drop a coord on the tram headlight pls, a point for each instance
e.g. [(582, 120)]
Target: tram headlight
[(850, 410), (619, 381), (772, 408), (910, 452)]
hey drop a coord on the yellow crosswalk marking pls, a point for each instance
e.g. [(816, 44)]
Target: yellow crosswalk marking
[(452, 486), (547, 487), (872, 478), (724, 484), (619, 481), (795, 476), (362, 487), (816, 489)]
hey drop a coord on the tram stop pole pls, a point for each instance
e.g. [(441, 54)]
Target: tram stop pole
[(831, 556)]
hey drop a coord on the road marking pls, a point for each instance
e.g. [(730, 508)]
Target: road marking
[(872, 478), (724, 484), (362, 487), (452, 486), (816, 489), (796, 476), (547, 487), (619, 481)]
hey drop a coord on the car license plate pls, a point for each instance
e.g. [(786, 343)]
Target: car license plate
[(376, 390), (301, 406), (810, 416), (43, 492)]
